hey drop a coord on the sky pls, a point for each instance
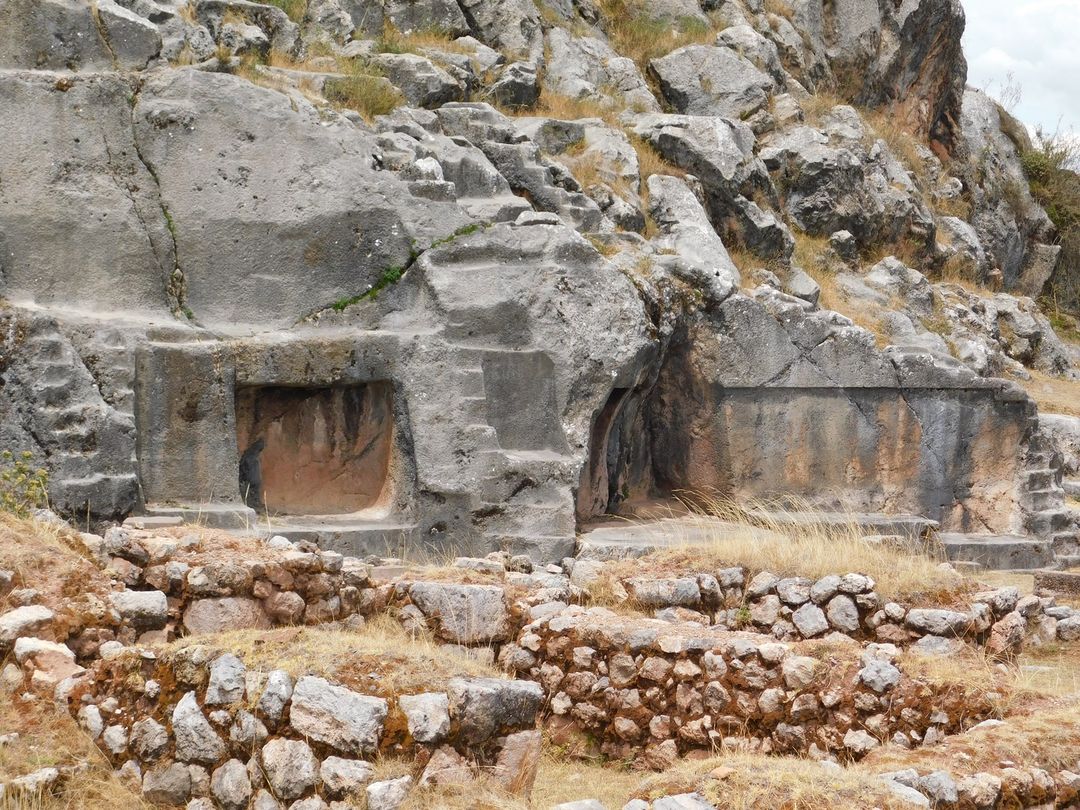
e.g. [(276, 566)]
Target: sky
[(1038, 43)]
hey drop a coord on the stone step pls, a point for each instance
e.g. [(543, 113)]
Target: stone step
[(212, 515), (44, 348), (1040, 500), (998, 552), (355, 537), (555, 519), (470, 381), (53, 394), (1069, 561), (538, 547), (70, 494), (1071, 487), (620, 540), (473, 407), (1065, 543), (1048, 522), (1044, 478)]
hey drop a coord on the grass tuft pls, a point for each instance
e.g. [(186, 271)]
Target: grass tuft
[(636, 33), (363, 88), (765, 536), (380, 658)]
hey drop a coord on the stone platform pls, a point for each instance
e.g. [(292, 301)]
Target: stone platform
[(998, 552)]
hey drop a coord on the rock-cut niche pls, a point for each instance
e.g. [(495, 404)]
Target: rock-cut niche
[(315, 451)]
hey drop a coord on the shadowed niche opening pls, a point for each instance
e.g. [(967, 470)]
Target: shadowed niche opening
[(315, 451)]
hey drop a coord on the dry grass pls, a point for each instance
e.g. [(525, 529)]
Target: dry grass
[(781, 8), (562, 779), (364, 89), (634, 33), (813, 255), (567, 108), (961, 270), (651, 162), (294, 9), (903, 145), (381, 658), (1053, 394), (754, 782), (187, 13), (1049, 669), (1048, 738), (481, 794), (49, 737), (910, 251), (558, 780), (394, 41), (817, 106), (49, 558), (971, 670), (733, 537), (959, 207)]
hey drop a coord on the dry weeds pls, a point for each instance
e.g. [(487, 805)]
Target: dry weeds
[(380, 658), (635, 33), (1054, 394), (49, 558), (49, 737), (567, 108), (751, 782), (1048, 738), (741, 534)]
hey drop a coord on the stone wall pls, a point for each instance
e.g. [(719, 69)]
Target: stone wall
[(197, 723)]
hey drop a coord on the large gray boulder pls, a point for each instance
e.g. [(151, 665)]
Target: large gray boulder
[(290, 766), (371, 16), (464, 614), (331, 714), (512, 26), (687, 243), (485, 707), (833, 182), (707, 80), (720, 152), (67, 210), (906, 57), (147, 610), (421, 81), (586, 67), (1010, 224), (196, 740), (73, 35)]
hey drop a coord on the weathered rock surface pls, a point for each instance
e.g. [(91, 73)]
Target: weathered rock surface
[(331, 714)]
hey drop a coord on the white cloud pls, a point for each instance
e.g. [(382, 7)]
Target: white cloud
[(1038, 43)]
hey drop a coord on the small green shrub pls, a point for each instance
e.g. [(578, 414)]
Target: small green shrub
[(22, 488), (1051, 165)]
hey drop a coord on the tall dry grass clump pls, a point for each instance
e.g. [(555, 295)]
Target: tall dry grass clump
[(642, 36), (362, 88), (795, 539)]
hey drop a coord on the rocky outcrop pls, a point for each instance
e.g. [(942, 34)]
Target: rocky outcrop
[(1014, 231), (569, 286)]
